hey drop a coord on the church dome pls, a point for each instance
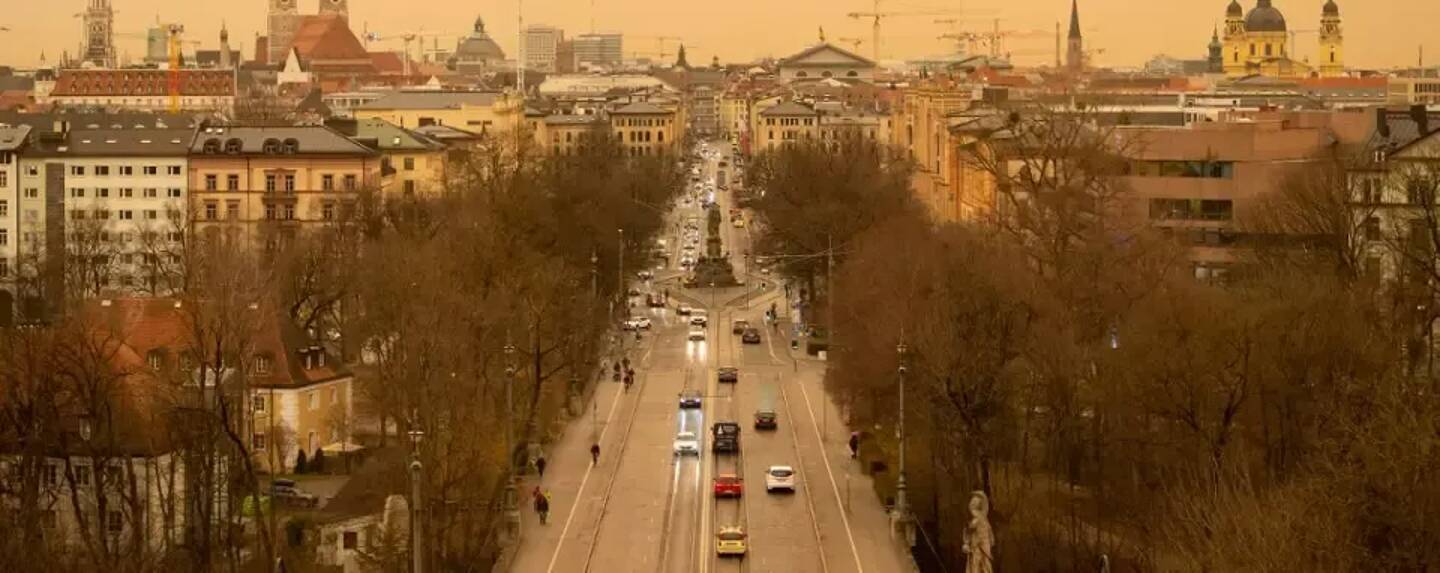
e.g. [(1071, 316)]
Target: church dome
[(1265, 18), (478, 46), (1235, 9), (1331, 8)]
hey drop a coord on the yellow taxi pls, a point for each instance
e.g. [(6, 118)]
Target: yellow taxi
[(730, 541)]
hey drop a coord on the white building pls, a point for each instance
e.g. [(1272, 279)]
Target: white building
[(541, 43), (117, 195), (599, 50), (12, 141), (824, 61)]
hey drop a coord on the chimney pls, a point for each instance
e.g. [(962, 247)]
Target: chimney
[(1421, 116), (1382, 122)]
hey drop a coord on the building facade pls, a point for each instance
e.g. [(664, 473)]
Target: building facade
[(480, 112), (259, 187), (12, 144), (784, 123), (541, 47), (411, 164), (825, 61), (646, 129), (599, 50), (1258, 42), (148, 90), (101, 213)]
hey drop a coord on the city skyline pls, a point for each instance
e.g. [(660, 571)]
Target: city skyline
[(1372, 38)]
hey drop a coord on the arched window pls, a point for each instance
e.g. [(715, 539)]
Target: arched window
[(271, 146), (291, 146), (801, 75), (234, 146), (826, 74), (852, 74)]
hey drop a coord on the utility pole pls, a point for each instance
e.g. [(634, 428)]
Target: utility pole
[(417, 530), (829, 325)]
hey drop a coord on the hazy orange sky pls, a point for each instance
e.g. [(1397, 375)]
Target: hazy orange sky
[(1379, 33)]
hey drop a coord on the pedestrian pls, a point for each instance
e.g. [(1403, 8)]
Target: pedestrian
[(540, 466), (854, 444), (542, 507), (595, 452), (535, 495)]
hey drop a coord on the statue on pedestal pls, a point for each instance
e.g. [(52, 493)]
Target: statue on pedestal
[(979, 538)]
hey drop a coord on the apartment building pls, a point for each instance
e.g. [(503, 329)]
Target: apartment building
[(101, 213), (261, 186), (411, 164), (12, 143), (541, 45), (783, 123), (145, 90), (645, 128)]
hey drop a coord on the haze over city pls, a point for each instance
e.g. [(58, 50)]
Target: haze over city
[(1129, 31)]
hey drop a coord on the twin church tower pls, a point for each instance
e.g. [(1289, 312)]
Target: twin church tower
[(1260, 43)]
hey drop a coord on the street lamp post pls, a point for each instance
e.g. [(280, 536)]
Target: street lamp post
[(620, 280), (902, 506), (512, 502), (417, 545)]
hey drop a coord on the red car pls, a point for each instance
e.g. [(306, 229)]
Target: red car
[(727, 485)]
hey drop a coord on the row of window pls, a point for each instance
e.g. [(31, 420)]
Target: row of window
[(790, 121), (641, 122), (1192, 209), (275, 181), (124, 192), (122, 170), (285, 211), (123, 214)]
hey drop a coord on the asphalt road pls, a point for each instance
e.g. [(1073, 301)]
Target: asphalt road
[(652, 511)]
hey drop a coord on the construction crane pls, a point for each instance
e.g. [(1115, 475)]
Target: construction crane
[(854, 43), (876, 15), (407, 38), (174, 72), (660, 40)]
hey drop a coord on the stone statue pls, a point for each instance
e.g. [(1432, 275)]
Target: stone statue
[(979, 538)]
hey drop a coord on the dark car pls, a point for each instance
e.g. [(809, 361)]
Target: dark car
[(751, 336), (729, 374), (739, 326), (286, 492), (765, 420), (690, 399)]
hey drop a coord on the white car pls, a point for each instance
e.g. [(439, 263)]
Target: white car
[(700, 320), (637, 323), (697, 334), (780, 477), (686, 444)]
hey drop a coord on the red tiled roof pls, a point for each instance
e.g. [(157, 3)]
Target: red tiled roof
[(387, 62), (327, 37), (143, 83)]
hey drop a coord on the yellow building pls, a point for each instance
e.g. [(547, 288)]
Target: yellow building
[(785, 122), (921, 128), (259, 186), (410, 164), (1258, 43), (645, 128), (478, 112), (564, 134)]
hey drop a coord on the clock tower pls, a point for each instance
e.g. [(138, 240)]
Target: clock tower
[(99, 47)]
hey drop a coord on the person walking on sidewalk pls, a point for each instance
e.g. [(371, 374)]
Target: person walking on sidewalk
[(542, 508), (595, 453), (540, 465), (854, 444)]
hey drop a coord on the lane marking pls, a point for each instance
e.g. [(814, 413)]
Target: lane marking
[(834, 487), (800, 470)]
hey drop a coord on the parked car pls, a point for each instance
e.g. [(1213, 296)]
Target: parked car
[(729, 485), (750, 336), (286, 492), (683, 310), (686, 444), (690, 399), (765, 420), (729, 374), (739, 326), (780, 478)]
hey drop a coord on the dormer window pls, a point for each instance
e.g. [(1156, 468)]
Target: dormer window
[(233, 146), (212, 147), (271, 146), (264, 364), (155, 359)]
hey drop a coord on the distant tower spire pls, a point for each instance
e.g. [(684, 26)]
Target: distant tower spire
[(1075, 57), (224, 46), (99, 34), (680, 62)]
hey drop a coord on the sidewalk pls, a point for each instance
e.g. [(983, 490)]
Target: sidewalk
[(567, 468), (870, 523)]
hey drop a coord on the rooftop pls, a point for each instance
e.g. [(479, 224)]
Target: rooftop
[(641, 108), (116, 143), (308, 140), (432, 100)]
